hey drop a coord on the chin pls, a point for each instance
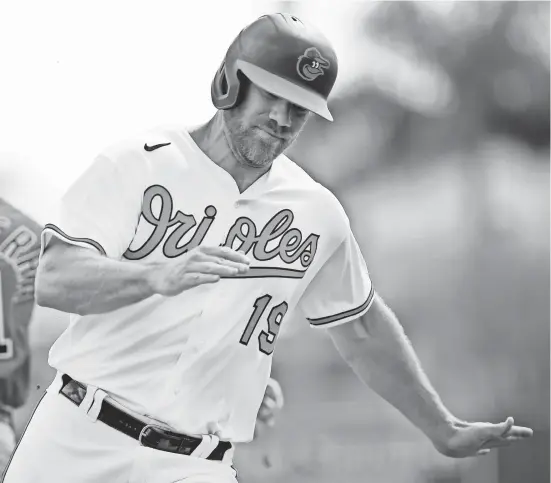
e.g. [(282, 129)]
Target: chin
[(258, 158), (259, 161), (261, 153)]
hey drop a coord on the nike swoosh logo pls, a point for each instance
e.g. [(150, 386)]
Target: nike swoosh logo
[(156, 146)]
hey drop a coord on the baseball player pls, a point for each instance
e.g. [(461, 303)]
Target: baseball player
[(179, 254), (19, 250)]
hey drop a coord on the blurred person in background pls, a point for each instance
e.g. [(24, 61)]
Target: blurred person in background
[(340, 297), (19, 250)]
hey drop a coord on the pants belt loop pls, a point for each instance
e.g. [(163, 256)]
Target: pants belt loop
[(214, 442), (205, 447), (88, 400), (95, 408)]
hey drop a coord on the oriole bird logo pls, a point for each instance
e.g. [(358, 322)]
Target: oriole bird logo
[(311, 64)]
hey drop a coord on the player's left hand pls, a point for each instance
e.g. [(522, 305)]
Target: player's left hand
[(271, 404), (476, 439)]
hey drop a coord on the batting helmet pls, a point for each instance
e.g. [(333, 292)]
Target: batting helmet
[(283, 56)]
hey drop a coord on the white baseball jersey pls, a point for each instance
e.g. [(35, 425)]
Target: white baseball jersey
[(200, 361)]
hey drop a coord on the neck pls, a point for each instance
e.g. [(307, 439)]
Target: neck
[(211, 138)]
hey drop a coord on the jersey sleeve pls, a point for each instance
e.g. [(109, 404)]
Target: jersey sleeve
[(341, 291), (100, 210)]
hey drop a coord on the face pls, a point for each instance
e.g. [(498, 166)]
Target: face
[(262, 126)]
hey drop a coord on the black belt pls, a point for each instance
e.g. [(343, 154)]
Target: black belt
[(147, 434)]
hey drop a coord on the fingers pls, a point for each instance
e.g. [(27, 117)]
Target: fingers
[(491, 430), (221, 261), (520, 432), (211, 267), (270, 405), (506, 433), (274, 391), (226, 254), (507, 428), (202, 278), (266, 415), (202, 264), (267, 410), (483, 452), (503, 440), (508, 424), (241, 267), (500, 443), (272, 402)]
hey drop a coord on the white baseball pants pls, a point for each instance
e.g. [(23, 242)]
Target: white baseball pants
[(63, 443)]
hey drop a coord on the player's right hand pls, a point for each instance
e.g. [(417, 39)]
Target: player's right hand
[(202, 264)]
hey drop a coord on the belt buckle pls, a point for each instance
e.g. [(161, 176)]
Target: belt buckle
[(144, 429)]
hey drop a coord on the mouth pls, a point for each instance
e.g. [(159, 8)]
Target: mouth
[(272, 134)]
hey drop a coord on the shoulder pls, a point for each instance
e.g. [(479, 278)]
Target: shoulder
[(138, 144), (140, 153)]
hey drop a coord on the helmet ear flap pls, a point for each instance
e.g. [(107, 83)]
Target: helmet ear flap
[(224, 82), (224, 89), (223, 79)]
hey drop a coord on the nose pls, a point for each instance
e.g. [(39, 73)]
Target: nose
[(281, 112)]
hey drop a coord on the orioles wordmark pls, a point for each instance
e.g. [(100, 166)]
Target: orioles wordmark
[(244, 234)]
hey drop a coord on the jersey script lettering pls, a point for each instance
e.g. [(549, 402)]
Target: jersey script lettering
[(289, 248)]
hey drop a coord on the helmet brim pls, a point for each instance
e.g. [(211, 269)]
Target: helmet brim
[(285, 89)]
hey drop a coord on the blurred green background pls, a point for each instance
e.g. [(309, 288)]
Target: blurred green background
[(440, 154)]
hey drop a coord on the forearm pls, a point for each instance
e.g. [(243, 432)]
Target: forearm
[(83, 282), (379, 352)]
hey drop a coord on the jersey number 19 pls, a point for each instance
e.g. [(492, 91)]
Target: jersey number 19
[(266, 340)]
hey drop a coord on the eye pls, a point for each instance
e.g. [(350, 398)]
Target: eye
[(301, 111)]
